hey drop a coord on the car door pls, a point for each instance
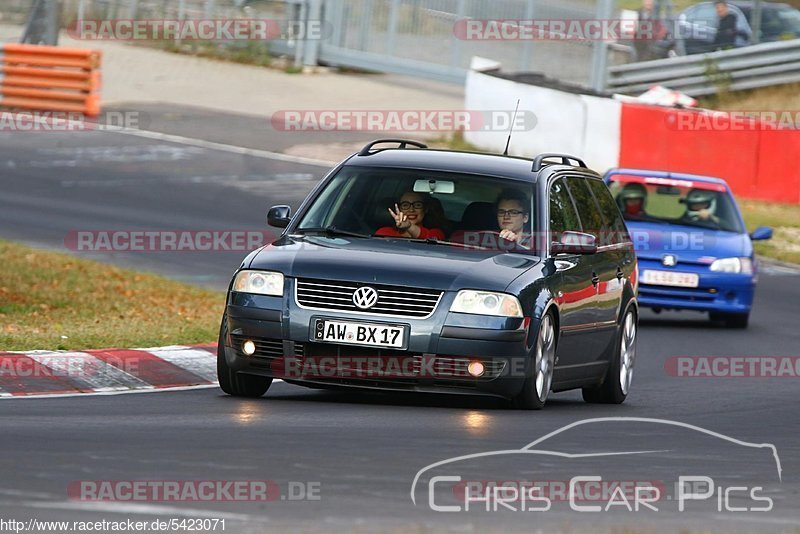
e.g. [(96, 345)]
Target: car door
[(603, 268), (614, 258), (575, 293)]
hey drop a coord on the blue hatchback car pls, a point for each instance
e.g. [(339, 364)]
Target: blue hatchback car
[(693, 250)]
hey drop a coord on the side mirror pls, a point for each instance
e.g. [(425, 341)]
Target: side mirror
[(761, 233), (575, 243), (279, 216)]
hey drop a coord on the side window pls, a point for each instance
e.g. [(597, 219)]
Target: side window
[(611, 214), (563, 216), (588, 210), (704, 14)]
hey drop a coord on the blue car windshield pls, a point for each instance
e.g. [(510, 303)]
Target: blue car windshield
[(682, 202), (450, 207)]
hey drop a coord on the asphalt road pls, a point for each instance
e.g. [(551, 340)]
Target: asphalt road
[(361, 452)]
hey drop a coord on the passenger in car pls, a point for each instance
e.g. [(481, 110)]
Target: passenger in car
[(632, 201), (512, 216), (409, 214)]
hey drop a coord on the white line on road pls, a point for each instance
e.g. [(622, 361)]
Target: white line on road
[(190, 141)]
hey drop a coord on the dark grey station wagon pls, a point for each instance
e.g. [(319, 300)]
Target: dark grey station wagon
[(439, 271)]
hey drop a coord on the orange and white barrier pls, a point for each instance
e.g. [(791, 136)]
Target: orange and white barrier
[(50, 78)]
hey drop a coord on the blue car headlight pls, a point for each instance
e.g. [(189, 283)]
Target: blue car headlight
[(259, 282), (733, 265)]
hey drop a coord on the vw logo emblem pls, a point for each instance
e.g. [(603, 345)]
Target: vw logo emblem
[(669, 260), (365, 297)]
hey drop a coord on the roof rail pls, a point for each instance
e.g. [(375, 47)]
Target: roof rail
[(540, 162), (402, 144)]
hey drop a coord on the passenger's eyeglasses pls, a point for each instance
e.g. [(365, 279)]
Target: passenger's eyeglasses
[(405, 205), (510, 213)]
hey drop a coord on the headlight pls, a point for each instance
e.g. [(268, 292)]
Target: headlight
[(486, 303), (261, 282), (733, 265)]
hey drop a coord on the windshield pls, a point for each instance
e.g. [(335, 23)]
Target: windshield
[(445, 207), (675, 202)]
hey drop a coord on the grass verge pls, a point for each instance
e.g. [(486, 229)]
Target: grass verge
[(784, 219), (54, 301)]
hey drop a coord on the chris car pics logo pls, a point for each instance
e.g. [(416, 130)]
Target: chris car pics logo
[(444, 486)]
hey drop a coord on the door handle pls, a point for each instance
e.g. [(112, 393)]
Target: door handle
[(595, 279)]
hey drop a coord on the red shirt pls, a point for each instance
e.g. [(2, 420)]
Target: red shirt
[(424, 233)]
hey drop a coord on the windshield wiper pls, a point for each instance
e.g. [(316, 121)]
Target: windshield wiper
[(434, 241), (331, 231)]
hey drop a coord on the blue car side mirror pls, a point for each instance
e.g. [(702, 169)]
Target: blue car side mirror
[(761, 233), (279, 216)]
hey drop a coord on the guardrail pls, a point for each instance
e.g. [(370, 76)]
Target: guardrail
[(739, 69), (50, 78)]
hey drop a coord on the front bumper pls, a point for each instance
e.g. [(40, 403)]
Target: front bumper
[(716, 292), (438, 352)]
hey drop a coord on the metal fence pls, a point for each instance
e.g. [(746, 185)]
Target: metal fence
[(417, 38), (744, 68), (414, 37)]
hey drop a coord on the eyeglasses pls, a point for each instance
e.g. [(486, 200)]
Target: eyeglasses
[(417, 205), (510, 213)]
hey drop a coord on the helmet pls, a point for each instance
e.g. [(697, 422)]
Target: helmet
[(632, 191), (700, 199)]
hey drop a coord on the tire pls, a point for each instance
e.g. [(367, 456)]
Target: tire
[(540, 378), (732, 320), (233, 383), (617, 382)]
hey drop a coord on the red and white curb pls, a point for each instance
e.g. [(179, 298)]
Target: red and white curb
[(108, 372)]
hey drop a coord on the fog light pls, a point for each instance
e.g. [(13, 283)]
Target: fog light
[(249, 348), (476, 368)]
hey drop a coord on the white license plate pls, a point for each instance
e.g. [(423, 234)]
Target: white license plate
[(366, 334), (669, 278)]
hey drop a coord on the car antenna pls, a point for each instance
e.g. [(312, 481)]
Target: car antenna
[(511, 130)]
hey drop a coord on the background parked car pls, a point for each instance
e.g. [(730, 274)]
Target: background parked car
[(697, 25)]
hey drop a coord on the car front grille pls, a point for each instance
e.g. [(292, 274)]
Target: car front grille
[(394, 364), (395, 301), (320, 361), (689, 294)]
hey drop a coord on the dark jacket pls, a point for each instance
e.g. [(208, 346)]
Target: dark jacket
[(726, 31)]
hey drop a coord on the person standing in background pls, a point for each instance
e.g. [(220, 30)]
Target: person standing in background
[(727, 31)]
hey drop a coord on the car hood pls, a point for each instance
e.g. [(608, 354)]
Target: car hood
[(687, 243), (392, 262)]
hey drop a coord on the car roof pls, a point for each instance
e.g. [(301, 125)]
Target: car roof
[(455, 161), (749, 4), (669, 175)]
